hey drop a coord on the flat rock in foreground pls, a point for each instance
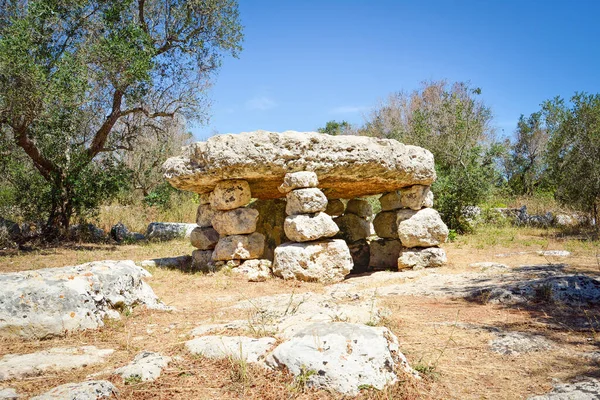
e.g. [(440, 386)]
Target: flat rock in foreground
[(346, 166), (90, 390), (52, 301)]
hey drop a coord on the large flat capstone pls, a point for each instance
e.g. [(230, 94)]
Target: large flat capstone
[(346, 166)]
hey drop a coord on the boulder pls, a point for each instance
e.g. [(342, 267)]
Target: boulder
[(240, 247), (230, 194), (324, 261), (335, 207), (86, 233), (423, 229), (202, 261), (299, 180), (19, 366), (342, 357), (204, 238), (238, 221), (8, 393), (90, 390), (146, 366), (254, 270), (204, 215), (169, 230), (307, 227), (182, 263), (305, 201), (359, 207), (422, 258), (385, 224), (353, 228), (271, 216), (586, 389), (52, 301), (233, 347), (119, 233), (360, 252), (347, 166), (385, 253), (515, 343)]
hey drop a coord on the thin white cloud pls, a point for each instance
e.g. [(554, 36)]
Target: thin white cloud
[(261, 103), (348, 109)]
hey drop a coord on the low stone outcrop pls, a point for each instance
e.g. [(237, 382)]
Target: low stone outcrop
[(168, 230), (90, 390), (49, 302), (146, 366), (236, 347)]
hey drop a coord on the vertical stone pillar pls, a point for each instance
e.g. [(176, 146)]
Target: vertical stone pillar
[(204, 237), (235, 223), (355, 228), (310, 255)]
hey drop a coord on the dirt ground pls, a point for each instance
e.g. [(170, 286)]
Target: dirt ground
[(445, 339)]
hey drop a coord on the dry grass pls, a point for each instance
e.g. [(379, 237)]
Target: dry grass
[(457, 363)]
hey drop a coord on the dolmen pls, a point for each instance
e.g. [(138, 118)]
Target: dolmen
[(301, 201)]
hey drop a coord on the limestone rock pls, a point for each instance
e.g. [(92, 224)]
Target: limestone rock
[(236, 347), (146, 366), (271, 217), (305, 201), (90, 390), (18, 366), (204, 215), (230, 194), (299, 180), (425, 228), (238, 221), (240, 247), (204, 198), (414, 197), (119, 233), (49, 302), (169, 230), (385, 225), (347, 166), (587, 389), (335, 207), (385, 253), (202, 260), (254, 270), (324, 261), (8, 394), (360, 252), (353, 228), (307, 227), (204, 238), (343, 356), (422, 258), (515, 343), (489, 266), (359, 207), (428, 201)]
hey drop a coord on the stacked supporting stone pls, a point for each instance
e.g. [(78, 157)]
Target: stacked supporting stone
[(204, 237), (355, 228), (310, 256), (410, 230)]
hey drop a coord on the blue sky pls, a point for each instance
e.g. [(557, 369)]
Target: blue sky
[(307, 62)]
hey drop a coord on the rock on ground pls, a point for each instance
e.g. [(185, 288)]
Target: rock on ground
[(424, 228), (324, 261), (489, 266), (146, 366), (299, 180), (588, 389), (120, 233), (254, 270), (554, 253), (240, 247), (230, 194), (305, 201), (237, 347), (49, 302), (8, 394), (416, 258), (169, 230), (347, 166), (307, 227), (90, 390), (239, 221), (340, 356), (353, 228), (181, 262), (17, 366), (515, 343)]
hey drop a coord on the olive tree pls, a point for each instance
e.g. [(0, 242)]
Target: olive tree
[(72, 71)]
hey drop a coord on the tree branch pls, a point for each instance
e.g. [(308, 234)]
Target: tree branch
[(41, 163), (110, 121)]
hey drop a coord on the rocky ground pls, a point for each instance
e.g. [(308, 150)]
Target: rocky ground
[(499, 322)]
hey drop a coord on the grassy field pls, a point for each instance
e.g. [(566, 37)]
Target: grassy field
[(455, 362)]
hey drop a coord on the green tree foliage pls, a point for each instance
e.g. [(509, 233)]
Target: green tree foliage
[(336, 128), (75, 75), (525, 166), (451, 122), (574, 150)]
